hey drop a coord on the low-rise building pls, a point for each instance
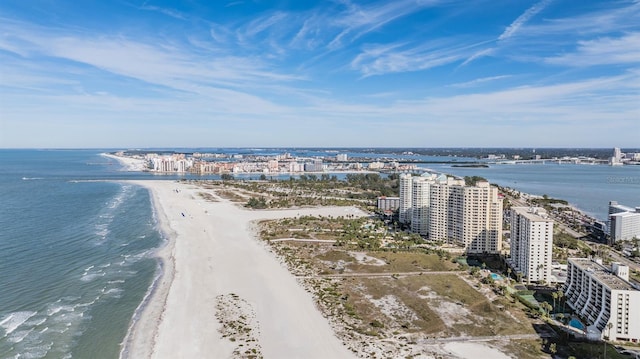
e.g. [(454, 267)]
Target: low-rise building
[(388, 203)]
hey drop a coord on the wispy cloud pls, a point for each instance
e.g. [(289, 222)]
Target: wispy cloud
[(226, 80), (479, 54), (602, 51), (522, 19), (510, 31), (169, 12), (359, 20), (622, 18), (261, 24), (402, 57), (379, 60), (479, 81)]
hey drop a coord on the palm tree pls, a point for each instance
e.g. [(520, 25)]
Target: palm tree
[(540, 266), (609, 326), (562, 298), (555, 296)]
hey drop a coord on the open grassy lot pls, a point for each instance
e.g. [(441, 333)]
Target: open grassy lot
[(422, 297)]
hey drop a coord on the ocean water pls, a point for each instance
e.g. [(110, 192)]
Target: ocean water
[(76, 256), (77, 252)]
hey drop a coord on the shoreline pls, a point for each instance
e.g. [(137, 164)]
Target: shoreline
[(213, 267), (143, 332), (129, 164)]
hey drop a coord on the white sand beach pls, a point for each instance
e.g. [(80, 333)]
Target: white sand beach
[(215, 268), (129, 164)]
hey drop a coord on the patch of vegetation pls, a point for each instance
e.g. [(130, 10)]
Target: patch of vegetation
[(207, 197), (547, 202), (525, 349), (564, 240), (230, 195), (256, 203), (472, 180)]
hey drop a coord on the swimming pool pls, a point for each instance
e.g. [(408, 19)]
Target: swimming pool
[(576, 324), (496, 276)]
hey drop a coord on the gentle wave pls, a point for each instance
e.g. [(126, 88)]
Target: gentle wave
[(14, 320)]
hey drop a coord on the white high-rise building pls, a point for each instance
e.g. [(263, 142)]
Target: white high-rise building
[(615, 207), (605, 298), (445, 222), (624, 226), (406, 189), (624, 222), (420, 204), (470, 216), (531, 243), (616, 160)]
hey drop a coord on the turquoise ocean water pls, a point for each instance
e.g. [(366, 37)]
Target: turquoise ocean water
[(76, 252), (75, 256)]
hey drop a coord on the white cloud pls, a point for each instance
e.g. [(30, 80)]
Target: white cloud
[(512, 29), (601, 21), (168, 12), (479, 81), (262, 24), (393, 58), (603, 51), (360, 20), (479, 54)]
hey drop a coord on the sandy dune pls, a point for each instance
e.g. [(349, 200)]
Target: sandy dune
[(212, 254)]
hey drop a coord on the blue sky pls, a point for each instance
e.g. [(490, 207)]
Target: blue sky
[(414, 73)]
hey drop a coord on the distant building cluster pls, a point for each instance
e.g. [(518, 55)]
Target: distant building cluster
[(212, 163), (444, 208), (619, 158), (604, 298), (624, 222), (173, 163)]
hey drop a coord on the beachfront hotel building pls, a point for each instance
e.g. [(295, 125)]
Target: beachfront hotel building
[(531, 243), (470, 216), (173, 163), (406, 189), (604, 298), (420, 204)]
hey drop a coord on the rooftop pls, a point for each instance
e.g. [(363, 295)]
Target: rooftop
[(536, 214), (602, 274)]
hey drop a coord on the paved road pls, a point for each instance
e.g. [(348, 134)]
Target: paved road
[(302, 240), (617, 257), (378, 275), (484, 338), (522, 203)]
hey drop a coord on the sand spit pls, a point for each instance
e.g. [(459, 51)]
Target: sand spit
[(129, 164)]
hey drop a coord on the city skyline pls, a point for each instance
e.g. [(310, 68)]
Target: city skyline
[(325, 74)]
